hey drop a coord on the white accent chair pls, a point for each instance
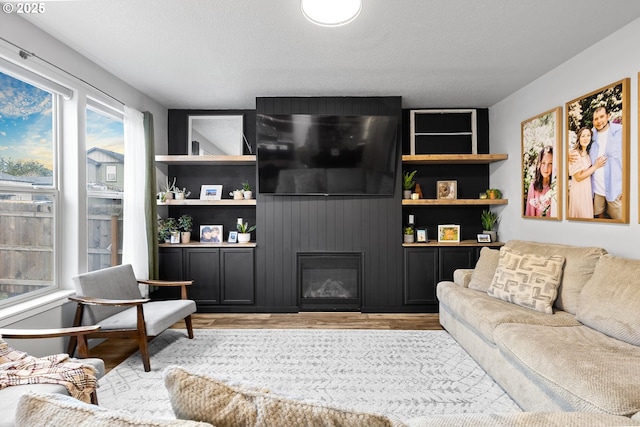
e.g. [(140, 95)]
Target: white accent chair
[(111, 298)]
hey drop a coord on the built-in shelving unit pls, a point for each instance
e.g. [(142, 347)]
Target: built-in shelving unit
[(205, 160), (453, 159)]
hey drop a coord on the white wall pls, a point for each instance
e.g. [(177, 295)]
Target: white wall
[(604, 63)]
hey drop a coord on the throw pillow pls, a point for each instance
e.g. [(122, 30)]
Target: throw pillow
[(609, 301), (50, 409), (201, 397), (485, 269), (527, 280)]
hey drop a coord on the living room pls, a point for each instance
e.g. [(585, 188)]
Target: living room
[(572, 78)]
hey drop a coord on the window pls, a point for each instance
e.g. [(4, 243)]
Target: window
[(28, 189), (105, 182)]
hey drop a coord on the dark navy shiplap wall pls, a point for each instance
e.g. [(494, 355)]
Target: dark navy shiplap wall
[(291, 224)]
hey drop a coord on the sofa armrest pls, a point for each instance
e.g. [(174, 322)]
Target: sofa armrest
[(462, 276)]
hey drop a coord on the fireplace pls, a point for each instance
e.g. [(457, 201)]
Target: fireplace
[(329, 281)]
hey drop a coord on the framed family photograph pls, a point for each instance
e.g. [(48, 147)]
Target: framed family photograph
[(449, 233), (421, 235), (447, 189), (211, 234), (542, 165), (211, 192), (233, 237), (483, 238), (598, 155)]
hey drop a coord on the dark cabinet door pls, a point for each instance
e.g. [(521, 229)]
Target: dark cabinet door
[(452, 258), (237, 275), (420, 275), (202, 265)]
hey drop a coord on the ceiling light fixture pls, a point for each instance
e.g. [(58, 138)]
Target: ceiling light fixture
[(331, 13)]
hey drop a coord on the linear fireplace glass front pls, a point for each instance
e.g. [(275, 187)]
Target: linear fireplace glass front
[(329, 281)]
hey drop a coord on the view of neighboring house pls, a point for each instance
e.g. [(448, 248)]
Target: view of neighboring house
[(105, 170)]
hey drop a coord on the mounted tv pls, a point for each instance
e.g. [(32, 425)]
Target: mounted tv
[(300, 154)]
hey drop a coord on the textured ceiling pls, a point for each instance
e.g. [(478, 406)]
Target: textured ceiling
[(434, 53)]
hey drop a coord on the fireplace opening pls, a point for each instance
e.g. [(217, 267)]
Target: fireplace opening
[(329, 281)]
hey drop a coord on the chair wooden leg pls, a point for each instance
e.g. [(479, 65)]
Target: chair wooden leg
[(77, 321), (187, 321), (142, 340)]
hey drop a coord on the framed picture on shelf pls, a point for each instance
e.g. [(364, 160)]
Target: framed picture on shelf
[(449, 233), (421, 235), (211, 234), (211, 192), (542, 165), (598, 126), (484, 238), (233, 237), (447, 189)]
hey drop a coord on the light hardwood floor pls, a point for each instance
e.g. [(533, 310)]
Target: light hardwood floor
[(114, 350)]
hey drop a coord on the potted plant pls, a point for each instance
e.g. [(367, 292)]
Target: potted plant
[(494, 193), (164, 234), (408, 234), (246, 190), (181, 194), (244, 231), (407, 184), (489, 222), (185, 225), (237, 194), (172, 226), (166, 190)]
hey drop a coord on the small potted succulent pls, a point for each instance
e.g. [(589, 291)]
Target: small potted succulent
[(489, 221), (166, 190), (407, 184), (246, 190), (244, 232), (164, 233), (408, 232), (181, 194)]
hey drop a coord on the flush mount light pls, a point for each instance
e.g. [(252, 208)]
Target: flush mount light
[(331, 13)]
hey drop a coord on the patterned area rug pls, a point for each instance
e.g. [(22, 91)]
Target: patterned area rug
[(401, 373)]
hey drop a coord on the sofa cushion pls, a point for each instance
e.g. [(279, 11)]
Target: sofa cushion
[(200, 397), (158, 316), (581, 366), (610, 301), (527, 280), (578, 267), (528, 419), (485, 269), (484, 313), (42, 409)]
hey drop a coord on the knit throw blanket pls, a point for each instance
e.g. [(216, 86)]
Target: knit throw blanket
[(18, 368)]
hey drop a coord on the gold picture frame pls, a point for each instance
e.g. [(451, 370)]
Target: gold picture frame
[(598, 181), (542, 165)]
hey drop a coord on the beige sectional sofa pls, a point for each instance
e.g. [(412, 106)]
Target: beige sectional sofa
[(583, 357)]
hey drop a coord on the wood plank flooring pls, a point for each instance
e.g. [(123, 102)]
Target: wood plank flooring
[(115, 350)]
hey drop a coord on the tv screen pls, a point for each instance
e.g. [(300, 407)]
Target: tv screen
[(326, 154)]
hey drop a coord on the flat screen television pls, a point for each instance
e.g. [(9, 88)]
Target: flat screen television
[(302, 154)]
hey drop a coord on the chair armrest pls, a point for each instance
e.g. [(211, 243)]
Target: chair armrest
[(48, 333), (77, 333), (108, 302), (166, 282), (183, 285)]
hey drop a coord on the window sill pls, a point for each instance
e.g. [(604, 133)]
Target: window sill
[(33, 307)]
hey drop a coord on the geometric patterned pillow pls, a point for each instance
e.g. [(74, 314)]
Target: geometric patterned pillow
[(527, 280)]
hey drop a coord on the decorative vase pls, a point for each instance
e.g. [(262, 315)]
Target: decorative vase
[(179, 195), (248, 194), (408, 238), (185, 237), (168, 195), (175, 237), (244, 237), (237, 195), (406, 194)]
